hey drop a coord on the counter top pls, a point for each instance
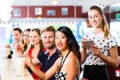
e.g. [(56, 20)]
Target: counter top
[(8, 73)]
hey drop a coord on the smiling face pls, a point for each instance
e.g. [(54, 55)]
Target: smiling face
[(26, 36), (17, 35), (95, 18), (35, 38), (48, 39), (61, 41)]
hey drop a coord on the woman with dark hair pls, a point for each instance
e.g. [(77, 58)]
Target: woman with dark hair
[(26, 39), (67, 66), (69, 63), (71, 41)]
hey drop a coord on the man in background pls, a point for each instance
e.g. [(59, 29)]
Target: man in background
[(17, 38)]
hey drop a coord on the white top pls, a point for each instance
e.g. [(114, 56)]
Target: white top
[(103, 43)]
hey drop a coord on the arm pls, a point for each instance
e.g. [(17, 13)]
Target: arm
[(35, 61), (83, 55), (112, 60), (39, 73), (83, 50), (72, 67)]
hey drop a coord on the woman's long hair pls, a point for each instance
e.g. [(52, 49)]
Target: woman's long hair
[(104, 21), (40, 42), (71, 41), (25, 44)]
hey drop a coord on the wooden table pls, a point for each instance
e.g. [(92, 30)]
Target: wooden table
[(8, 73)]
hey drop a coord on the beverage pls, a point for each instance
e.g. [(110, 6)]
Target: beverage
[(7, 48), (20, 66)]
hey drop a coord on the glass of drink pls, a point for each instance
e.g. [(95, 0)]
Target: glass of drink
[(20, 66)]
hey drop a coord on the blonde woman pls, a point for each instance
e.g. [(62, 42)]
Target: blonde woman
[(103, 48)]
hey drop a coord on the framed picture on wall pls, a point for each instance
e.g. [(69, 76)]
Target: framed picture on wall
[(16, 12), (51, 13), (64, 11), (38, 11)]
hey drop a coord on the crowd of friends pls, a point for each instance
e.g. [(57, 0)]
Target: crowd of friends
[(56, 55)]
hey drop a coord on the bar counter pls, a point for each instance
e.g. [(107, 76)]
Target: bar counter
[(8, 73)]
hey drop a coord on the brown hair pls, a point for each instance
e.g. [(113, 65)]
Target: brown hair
[(49, 28), (104, 21), (17, 29), (40, 43), (25, 46)]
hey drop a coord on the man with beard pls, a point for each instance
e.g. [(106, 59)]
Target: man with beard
[(47, 58)]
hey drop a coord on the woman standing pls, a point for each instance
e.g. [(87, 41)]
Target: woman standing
[(104, 50)]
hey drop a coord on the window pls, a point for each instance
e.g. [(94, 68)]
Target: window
[(38, 11), (64, 11), (16, 12), (51, 13)]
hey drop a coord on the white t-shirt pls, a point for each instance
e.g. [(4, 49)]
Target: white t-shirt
[(103, 43)]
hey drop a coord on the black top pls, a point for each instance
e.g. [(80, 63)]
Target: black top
[(48, 61)]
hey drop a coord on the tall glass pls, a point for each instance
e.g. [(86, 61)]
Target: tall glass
[(20, 66)]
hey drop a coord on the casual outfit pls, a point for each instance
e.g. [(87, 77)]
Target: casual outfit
[(62, 75), (38, 67), (95, 68), (47, 61)]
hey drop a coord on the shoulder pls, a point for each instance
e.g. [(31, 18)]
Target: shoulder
[(111, 38), (72, 60), (72, 56), (57, 53), (41, 54)]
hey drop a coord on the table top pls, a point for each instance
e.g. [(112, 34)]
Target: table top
[(8, 73)]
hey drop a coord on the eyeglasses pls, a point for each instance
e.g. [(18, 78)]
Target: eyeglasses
[(25, 35)]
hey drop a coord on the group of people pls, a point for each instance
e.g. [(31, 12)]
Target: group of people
[(56, 54)]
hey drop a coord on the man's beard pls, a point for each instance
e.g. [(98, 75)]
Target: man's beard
[(51, 47)]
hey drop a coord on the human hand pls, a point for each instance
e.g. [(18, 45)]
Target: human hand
[(28, 61), (95, 50), (83, 43), (88, 44)]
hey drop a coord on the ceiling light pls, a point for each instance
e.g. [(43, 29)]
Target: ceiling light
[(6, 9), (55, 2)]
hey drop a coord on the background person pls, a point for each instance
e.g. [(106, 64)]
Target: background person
[(26, 39), (36, 47), (17, 37)]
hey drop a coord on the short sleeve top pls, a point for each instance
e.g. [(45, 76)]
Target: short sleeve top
[(105, 44)]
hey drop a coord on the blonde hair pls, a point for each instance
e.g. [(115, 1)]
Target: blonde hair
[(104, 21)]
